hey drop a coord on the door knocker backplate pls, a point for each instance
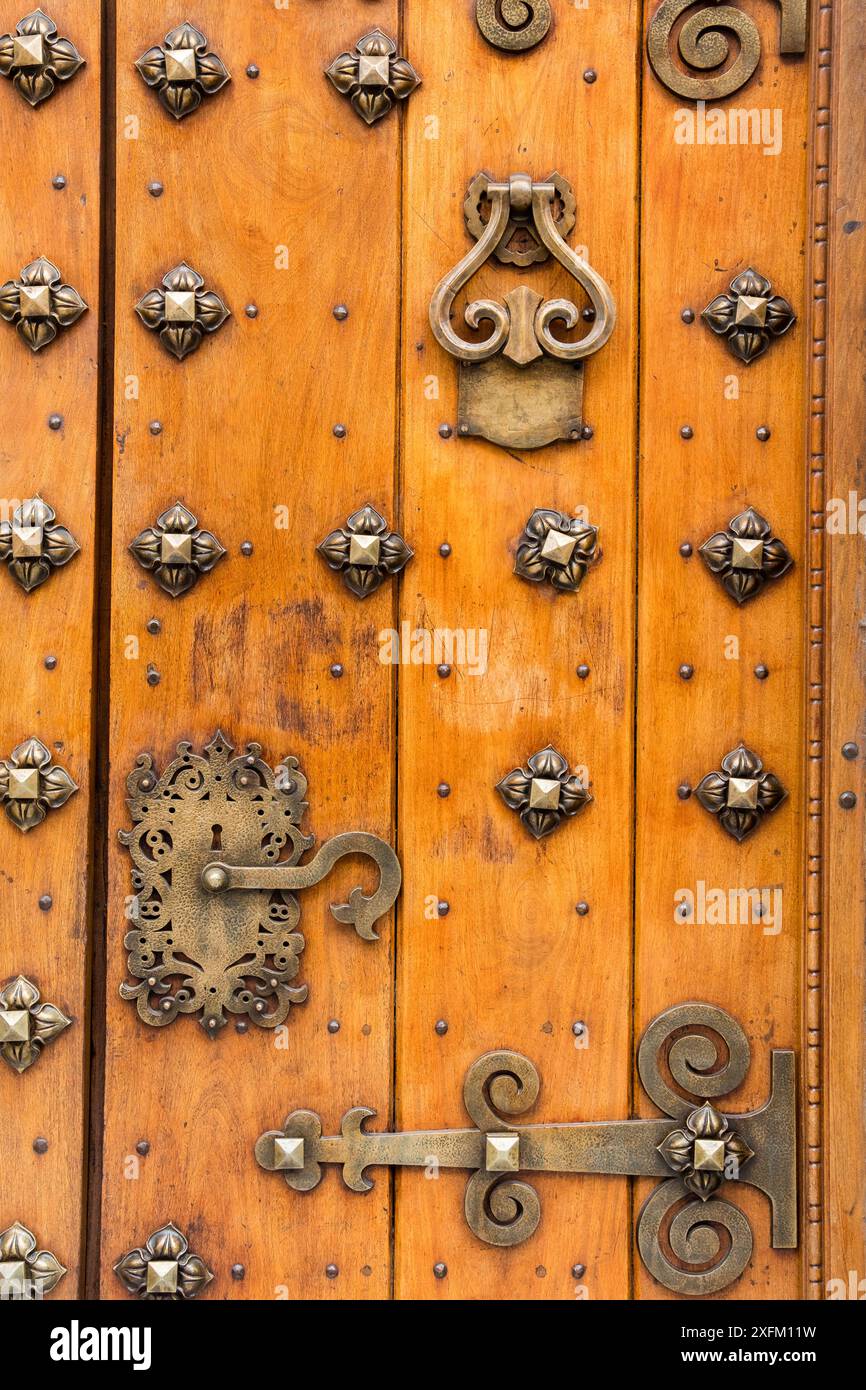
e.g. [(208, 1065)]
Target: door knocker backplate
[(688, 1057), (216, 844), (522, 386)]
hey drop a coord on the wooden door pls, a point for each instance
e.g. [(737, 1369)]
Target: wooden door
[(309, 529)]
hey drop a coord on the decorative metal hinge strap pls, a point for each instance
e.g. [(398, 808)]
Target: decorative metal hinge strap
[(705, 1150)]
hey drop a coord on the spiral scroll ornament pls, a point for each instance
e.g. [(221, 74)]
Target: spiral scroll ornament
[(719, 41), (513, 25)]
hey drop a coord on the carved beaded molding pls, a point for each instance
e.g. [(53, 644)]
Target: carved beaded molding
[(35, 58)]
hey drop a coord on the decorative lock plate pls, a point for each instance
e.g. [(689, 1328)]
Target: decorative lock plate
[(513, 25), (521, 386), (35, 58), (703, 45), (164, 1269), (39, 305), (681, 1072), (26, 1273), (216, 844)]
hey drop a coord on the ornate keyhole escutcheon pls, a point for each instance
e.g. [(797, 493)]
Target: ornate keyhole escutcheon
[(513, 25), (693, 1151), (719, 46), (522, 386), (216, 846)]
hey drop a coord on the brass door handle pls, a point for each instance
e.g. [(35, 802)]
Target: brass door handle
[(526, 386), (701, 1146)]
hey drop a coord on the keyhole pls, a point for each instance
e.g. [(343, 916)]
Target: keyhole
[(216, 837)]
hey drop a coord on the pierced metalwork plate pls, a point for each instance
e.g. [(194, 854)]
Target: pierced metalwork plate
[(32, 545), (544, 793), (164, 1268), (703, 45), (26, 1273), (31, 785), (746, 556), (513, 25), (183, 311), (175, 551), (26, 1026), (35, 58), (689, 1055), (365, 552), (216, 844), (181, 70), (521, 386), (373, 76), (740, 794), (749, 316), (39, 305), (556, 549)]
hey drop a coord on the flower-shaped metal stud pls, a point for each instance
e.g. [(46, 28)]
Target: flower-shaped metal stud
[(746, 556), (39, 304), (741, 793), (183, 311), (181, 71), (25, 1024), (32, 545), (373, 77), (164, 1268), (176, 551), (31, 786), (25, 1272), (749, 315), (365, 552), (705, 1152), (544, 793), (35, 59), (556, 549)]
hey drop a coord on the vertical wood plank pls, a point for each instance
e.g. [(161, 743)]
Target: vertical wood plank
[(512, 964), (61, 136), (709, 211), (272, 169), (839, 409)]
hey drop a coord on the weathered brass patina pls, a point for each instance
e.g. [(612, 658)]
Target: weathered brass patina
[(501, 1208), (374, 76), (215, 912), (521, 386), (740, 793), (164, 1268), (35, 58), (39, 305), (183, 311), (26, 1024), (181, 70), (26, 1273), (703, 45), (513, 25)]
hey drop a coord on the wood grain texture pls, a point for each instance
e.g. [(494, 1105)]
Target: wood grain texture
[(512, 964), (247, 428), (61, 136), (841, 213), (709, 211)]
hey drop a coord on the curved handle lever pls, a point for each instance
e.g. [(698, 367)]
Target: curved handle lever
[(360, 911)]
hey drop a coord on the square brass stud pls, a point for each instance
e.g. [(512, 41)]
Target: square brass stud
[(35, 58), (751, 311), (180, 65), (24, 783), (743, 793), (544, 794), (162, 1277), (13, 1278), (176, 548), (179, 306), (182, 311), (709, 1155), (26, 542), (14, 1026), (502, 1153), (374, 70), (558, 548), (747, 553), (35, 301), (288, 1153), (364, 550)]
